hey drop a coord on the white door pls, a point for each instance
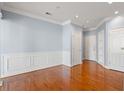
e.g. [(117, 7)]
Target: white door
[(101, 47), (116, 51), (90, 47), (76, 47)]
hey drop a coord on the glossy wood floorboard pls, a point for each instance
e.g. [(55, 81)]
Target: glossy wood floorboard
[(87, 76)]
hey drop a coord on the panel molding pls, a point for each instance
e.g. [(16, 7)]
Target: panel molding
[(11, 63)]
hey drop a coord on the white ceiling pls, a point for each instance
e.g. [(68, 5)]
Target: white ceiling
[(94, 12)]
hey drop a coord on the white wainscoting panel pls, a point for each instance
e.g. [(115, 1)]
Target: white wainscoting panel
[(13, 64), (54, 59), (39, 60), (16, 64)]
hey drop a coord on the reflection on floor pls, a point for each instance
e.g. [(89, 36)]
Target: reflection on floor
[(87, 76)]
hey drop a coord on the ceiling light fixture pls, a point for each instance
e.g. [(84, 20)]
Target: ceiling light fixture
[(76, 16), (116, 12), (109, 3), (48, 13)]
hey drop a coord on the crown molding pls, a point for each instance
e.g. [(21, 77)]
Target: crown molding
[(94, 28), (77, 25), (21, 12), (103, 21), (66, 22)]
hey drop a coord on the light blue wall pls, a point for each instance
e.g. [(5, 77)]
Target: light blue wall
[(67, 31), (24, 34)]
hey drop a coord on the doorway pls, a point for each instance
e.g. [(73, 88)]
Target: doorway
[(90, 46), (76, 47)]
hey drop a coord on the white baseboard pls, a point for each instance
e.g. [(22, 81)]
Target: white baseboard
[(107, 67), (89, 59), (116, 68), (13, 64)]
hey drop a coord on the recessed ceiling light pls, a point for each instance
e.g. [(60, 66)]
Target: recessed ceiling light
[(109, 3), (76, 16), (48, 13), (116, 12)]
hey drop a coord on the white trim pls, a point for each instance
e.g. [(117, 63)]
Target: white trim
[(101, 22), (107, 67), (17, 63), (103, 65), (111, 64), (21, 12), (94, 28), (25, 13), (104, 20), (66, 22), (18, 11), (116, 68)]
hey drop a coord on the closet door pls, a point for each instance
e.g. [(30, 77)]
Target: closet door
[(90, 47), (101, 47), (116, 52), (76, 47)]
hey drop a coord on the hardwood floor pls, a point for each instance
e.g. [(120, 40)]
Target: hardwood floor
[(87, 76)]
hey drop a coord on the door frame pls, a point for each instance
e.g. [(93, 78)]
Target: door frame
[(103, 46), (73, 32), (109, 54), (87, 36)]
